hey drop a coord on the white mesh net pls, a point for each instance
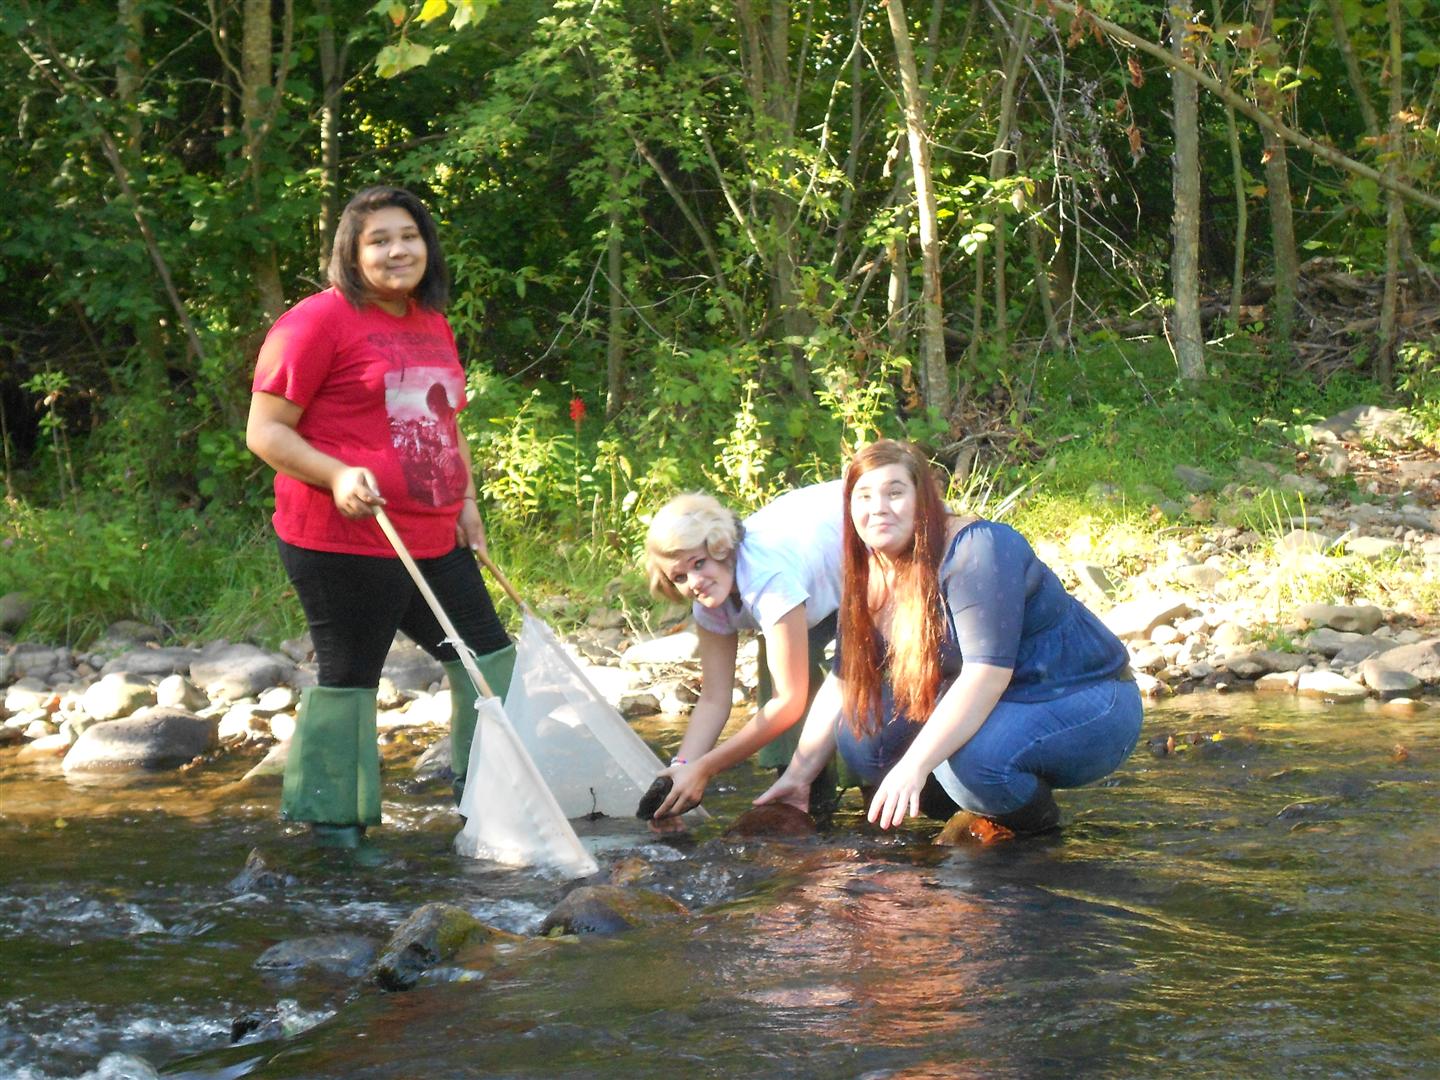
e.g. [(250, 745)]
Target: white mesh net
[(587, 753), (512, 818)]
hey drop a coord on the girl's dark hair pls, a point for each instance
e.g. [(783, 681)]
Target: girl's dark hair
[(433, 291), (917, 625)]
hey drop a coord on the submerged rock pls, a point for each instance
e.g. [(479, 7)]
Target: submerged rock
[(431, 935), (609, 909), (348, 955), (964, 829), (256, 876), (772, 819)]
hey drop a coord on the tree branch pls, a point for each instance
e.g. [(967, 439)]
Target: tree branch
[(1241, 105)]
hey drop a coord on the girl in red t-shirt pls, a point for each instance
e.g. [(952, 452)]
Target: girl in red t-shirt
[(354, 401)]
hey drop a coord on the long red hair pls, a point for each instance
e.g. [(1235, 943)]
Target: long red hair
[(917, 624)]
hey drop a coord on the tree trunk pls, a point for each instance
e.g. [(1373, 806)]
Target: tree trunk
[(1352, 68), (1361, 91), (1277, 183), (766, 58), (1242, 205), (255, 71), (1000, 158), (332, 87), (934, 378), (1394, 221), (897, 295), (128, 75), (614, 269), (1187, 341)]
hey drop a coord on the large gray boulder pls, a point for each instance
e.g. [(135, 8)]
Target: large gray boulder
[(1387, 682), (1421, 660), (229, 672), (410, 667), (153, 739), (1352, 619), (31, 661)]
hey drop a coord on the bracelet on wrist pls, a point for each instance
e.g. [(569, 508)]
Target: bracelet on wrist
[(678, 761), (469, 498)]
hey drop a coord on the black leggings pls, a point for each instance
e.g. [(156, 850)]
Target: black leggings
[(355, 603)]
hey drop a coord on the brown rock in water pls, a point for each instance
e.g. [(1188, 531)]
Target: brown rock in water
[(629, 870), (773, 819), (965, 828), (608, 909)]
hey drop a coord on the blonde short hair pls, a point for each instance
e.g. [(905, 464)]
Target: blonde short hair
[(684, 523)]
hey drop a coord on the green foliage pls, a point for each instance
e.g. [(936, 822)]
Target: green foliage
[(88, 568), (765, 306), (1418, 378)]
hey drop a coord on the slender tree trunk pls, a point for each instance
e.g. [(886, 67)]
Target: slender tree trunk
[(128, 74), (255, 68), (1352, 67), (765, 49), (614, 270), (1277, 183), (1187, 340), (1059, 275), (1000, 158), (1361, 90), (857, 139), (1242, 205), (332, 88), (1394, 210), (934, 378), (897, 295)]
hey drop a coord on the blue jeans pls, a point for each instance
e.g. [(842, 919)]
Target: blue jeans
[(1067, 742)]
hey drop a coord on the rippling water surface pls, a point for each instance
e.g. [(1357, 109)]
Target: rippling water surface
[(1262, 904)]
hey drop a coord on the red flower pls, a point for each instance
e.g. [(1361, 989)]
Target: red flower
[(577, 409)]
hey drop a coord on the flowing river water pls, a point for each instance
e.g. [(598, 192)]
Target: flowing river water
[(1264, 904)]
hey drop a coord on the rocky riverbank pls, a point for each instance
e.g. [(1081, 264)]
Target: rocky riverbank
[(1219, 607)]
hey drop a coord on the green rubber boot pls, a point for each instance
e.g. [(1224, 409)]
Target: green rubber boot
[(332, 774), (497, 667)]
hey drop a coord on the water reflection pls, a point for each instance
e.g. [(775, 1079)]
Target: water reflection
[(1261, 904)]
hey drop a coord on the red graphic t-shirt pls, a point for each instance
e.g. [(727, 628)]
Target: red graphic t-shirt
[(379, 391)]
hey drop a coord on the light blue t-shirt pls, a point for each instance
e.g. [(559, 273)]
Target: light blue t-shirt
[(789, 555)]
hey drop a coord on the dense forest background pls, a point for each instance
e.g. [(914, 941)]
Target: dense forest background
[(696, 243)]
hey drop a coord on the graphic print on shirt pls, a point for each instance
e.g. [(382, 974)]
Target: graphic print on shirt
[(421, 403)]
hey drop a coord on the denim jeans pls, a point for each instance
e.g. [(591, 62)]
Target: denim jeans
[(1070, 741)]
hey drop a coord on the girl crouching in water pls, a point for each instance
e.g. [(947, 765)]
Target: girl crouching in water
[(967, 678)]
